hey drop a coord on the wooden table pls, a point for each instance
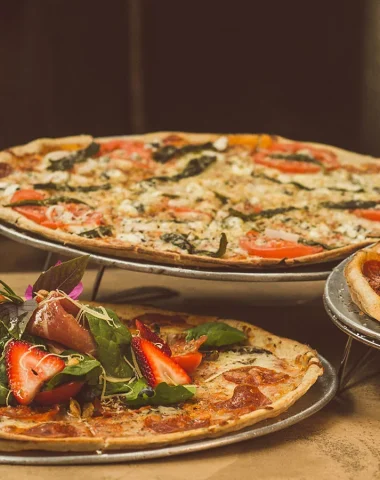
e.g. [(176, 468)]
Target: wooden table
[(340, 442)]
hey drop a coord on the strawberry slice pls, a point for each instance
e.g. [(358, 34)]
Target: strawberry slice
[(28, 368), (156, 366), (146, 332)]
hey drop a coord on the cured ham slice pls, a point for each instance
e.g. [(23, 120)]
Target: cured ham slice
[(53, 322)]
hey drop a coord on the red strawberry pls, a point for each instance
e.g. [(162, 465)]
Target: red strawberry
[(146, 332), (156, 366), (28, 368)]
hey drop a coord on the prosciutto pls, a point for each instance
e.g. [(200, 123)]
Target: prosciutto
[(53, 322)]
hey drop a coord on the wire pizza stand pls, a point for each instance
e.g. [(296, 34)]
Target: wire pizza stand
[(355, 324), (316, 398)]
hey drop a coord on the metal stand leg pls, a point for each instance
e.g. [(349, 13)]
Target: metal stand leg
[(47, 261), (343, 364), (98, 280)]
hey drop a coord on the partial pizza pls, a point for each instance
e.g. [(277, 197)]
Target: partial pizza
[(194, 199), (88, 377), (363, 278)]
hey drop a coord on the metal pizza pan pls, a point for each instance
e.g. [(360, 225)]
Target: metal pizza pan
[(309, 273), (344, 312), (316, 398)]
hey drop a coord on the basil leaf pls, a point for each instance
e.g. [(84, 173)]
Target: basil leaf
[(80, 156), (99, 232), (65, 187), (164, 394), (218, 334), (195, 166), (15, 317), (296, 157), (168, 152), (110, 340), (63, 277), (87, 369)]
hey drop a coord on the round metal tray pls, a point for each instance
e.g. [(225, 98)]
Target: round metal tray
[(345, 313), (301, 274), (317, 397)]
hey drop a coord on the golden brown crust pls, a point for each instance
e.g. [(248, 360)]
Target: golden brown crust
[(122, 249), (361, 292), (286, 349)]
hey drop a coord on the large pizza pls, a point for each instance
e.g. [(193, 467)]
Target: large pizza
[(82, 377), (194, 199)]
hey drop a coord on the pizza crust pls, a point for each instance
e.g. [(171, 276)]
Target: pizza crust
[(361, 292), (281, 347), (123, 249)]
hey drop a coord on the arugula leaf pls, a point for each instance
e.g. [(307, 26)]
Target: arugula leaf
[(10, 294), (296, 157), (218, 334), (45, 202), (66, 187), (110, 340), (181, 241), (4, 392), (195, 166), (80, 156), (87, 369), (350, 204), (64, 276), (15, 317), (99, 232), (141, 394), (271, 212)]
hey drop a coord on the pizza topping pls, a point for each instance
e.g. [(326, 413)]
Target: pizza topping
[(52, 430), (156, 366), (369, 214), (179, 423), (276, 248), (51, 321), (169, 152), (351, 204), (59, 395), (371, 270), (182, 242), (148, 334), (244, 396), (189, 361), (5, 169), (195, 167), (256, 376), (66, 187), (271, 212), (80, 156), (28, 368), (98, 232)]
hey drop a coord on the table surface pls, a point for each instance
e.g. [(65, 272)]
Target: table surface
[(340, 441)]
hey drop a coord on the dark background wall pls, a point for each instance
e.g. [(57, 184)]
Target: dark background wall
[(116, 67)]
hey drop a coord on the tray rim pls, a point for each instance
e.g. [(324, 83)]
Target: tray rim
[(36, 241), (338, 317), (51, 458)]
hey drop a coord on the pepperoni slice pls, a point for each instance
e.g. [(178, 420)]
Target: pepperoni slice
[(178, 423), (5, 169), (53, 430), (371, 270), (244, 396), (255, 376)]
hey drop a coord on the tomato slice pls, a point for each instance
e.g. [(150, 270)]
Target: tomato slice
[(276, 248), (128, 148), (189, 362), (61, 394), (370, 214), (27, 194), (327, 157)]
